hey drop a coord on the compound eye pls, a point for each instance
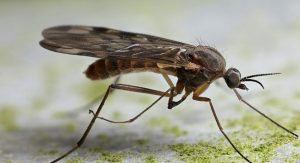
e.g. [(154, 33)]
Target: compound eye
[(232, 78)]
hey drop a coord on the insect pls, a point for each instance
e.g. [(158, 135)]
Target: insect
[(120, 52)]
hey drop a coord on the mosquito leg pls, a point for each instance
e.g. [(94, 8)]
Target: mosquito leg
[(205, 99), (252, 107), (178, 89), (113, 86), (137, 116), (175, 90), (166, 77), (138, 89), (86, 132), (172, 104), (179, 85)]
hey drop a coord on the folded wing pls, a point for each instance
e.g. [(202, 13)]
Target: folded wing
[(102, 42)]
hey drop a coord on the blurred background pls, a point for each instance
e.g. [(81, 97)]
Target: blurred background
[(41, 92)]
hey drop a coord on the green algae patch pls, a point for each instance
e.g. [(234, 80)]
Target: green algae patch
[(111, 157), (297, 94), (256, 138), (219, 150), (158, 121), (274, 102), (9, 161), (289, 69), (59, 115), (96, 150), (174, 130), (150, 159), (51, 75), (38, 103), (8, 116), (262, 138), (214, 151), (166, 126), (117, 116), (50, 152), (70, 127), (295, 157), (93, 89), (294, 123), (267, 149), (104, 138), (75, 160), (144, 99), (142, 142)]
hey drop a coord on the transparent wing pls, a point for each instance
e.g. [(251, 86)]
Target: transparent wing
[(102, 42)]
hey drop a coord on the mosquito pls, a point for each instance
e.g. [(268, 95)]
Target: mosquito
[(121, 52)]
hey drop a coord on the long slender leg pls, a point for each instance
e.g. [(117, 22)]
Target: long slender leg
[(171, 103), (138, 89), (137, 116), (113, 86), (82, 139), (179, 85), (175, 90), (168, 80), (205, 99), (274, 122)]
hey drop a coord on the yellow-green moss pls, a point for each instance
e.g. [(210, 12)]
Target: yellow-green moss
[(8, 161), (50, 152), (167, 126), (111, 157), (143, 99), (51, 75), (297, 94), (274, 102), (38, 103), (75, 160), (96, 150), (70, 127), (142, 141), (59, 115), (150, 159), (158, 121), (267, 149), (93, 89), (211, 151), (294, 158), (8, 115), (104, 138), (175, 130), (256, 138), (289, 69), (294, 122), (117, 116)]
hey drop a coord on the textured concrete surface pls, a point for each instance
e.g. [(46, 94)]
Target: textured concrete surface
[(41, 91)]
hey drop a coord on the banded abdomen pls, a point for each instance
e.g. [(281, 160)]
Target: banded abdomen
[(109, 67)]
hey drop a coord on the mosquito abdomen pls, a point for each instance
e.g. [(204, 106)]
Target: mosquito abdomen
[(109, 67)]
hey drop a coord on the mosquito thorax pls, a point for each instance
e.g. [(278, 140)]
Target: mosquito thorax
[(232, 78), (209, 58)]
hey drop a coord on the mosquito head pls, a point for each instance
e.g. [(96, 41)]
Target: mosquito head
[(233, 78)]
